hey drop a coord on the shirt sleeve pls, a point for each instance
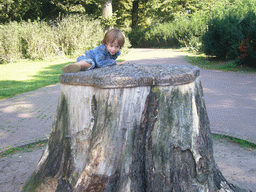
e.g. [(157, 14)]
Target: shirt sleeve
[(104, 59)]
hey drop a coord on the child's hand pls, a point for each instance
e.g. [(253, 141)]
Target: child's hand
[(121, 63)]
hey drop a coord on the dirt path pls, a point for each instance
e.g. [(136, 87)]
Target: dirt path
[(237, 164)]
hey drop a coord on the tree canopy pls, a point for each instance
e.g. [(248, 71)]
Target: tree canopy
[(125, 13)]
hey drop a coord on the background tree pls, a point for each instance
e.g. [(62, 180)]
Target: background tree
[(107, 9), (16, 10), (123, 9), (135, 13)]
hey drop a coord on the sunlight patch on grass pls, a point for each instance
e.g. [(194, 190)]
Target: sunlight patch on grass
[(24, 76), (25, 70)]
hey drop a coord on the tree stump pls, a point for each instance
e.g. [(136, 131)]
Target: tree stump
[(132, 127)]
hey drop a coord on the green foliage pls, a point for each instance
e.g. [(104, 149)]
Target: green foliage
[(189, 29), (223, 37), (248, 46), (70, 36), (167, 10), (77, 34), (231, 33), (161, 23), (18, 10), (161, 35), (122, 8), (109, 22), (151, 12), (184, 31), (9, 42), (37, 40)]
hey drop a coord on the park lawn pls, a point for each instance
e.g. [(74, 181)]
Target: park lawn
[(24, 76), (207, 62)]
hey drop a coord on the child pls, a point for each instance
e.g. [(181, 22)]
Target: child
[(101, 56)]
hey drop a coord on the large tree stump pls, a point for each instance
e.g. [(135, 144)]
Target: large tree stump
[(130, 128)]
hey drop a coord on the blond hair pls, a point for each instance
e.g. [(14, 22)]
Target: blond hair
[(112, 35)]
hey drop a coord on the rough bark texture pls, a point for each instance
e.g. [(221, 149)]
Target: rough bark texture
[(107, 9), (140, 139), (135, 13)]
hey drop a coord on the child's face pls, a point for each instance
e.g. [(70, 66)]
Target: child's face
[(113, 47)]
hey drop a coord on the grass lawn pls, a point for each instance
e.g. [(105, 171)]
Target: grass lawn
[(24, 76), (204, 62)]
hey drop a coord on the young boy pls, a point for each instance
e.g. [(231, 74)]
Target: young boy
[(101, 56)]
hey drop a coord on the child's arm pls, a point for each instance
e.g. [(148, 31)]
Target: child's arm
[(121, 63)]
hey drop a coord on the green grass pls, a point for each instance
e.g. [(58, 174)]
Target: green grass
[(24, 148), (241, 142), (24, 76), (206, 62)]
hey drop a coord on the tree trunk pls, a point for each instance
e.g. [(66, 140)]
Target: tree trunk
[(128, 128), (135, 13), (107, 9)]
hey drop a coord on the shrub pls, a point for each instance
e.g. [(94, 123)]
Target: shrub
[(223, 37), (161, 35), (247, 47), (232, 37), (37, 40), (9, 43), (184, 31), (71, 36), (188, 30), (77, 33)]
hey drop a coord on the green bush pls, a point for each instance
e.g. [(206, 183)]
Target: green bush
[(232, 37), (231, 32), (161, 35), (223, 37), (184, 31), (76, 34), (37, 40), (9, 43), (188, 30), (248, 46)]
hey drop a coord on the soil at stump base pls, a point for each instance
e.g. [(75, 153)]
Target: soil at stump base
[(237, 164)]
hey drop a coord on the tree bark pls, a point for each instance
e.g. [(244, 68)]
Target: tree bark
[(107, 9), (135, 13), (128, 128)]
